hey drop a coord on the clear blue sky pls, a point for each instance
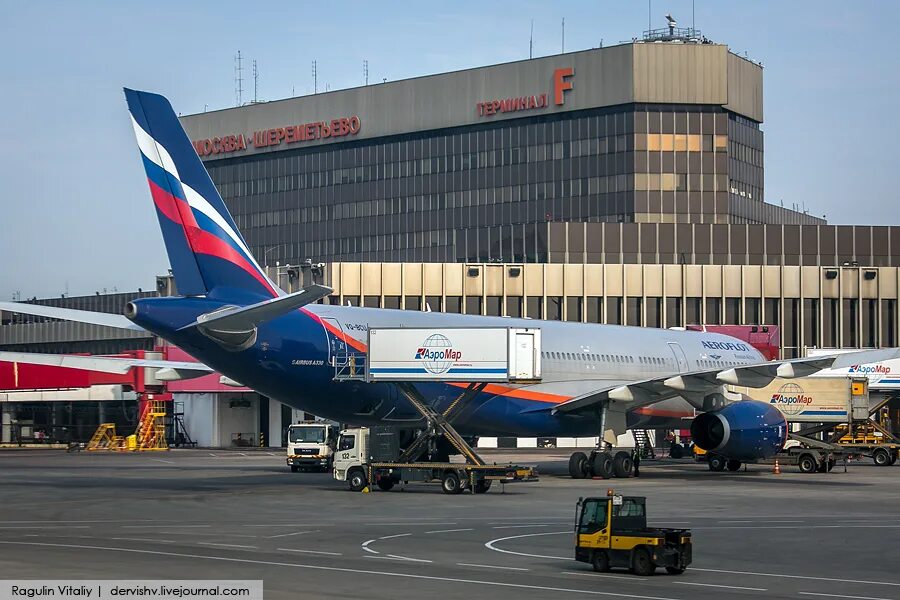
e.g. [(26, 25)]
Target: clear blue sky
[(76, 212)]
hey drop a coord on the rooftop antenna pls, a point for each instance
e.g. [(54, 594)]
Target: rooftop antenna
[(693, 16), (531, 41), (255, 81), (649, 15), (563, 35), (315, 79), (366, 70), (672, 23), (238, 79)]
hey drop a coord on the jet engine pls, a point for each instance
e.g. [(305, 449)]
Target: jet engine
[(744, 430)]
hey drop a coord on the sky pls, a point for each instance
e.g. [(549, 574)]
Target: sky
[(75, 213)]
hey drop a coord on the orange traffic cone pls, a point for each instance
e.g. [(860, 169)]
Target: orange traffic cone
[(777, 468)]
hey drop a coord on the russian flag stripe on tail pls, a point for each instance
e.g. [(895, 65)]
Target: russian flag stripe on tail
[(207, 252)]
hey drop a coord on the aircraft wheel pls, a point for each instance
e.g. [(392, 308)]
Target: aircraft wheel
[(881, 457), (716, 462), (602, 465), (622, 464), (733, 465), (578, 465), (676, 451)]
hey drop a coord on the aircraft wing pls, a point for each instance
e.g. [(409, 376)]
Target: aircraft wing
[(169, 370), (70, 314), (693, 386)]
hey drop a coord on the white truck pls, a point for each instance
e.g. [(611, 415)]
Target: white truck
[(311, 445), (369, 455)]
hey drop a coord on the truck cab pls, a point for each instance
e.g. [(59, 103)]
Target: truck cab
[(311, 445), (349, 457), (612, 531)]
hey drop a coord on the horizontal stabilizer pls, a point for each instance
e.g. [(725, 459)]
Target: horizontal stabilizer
[(106, 364), (70, 314), (247, 317)]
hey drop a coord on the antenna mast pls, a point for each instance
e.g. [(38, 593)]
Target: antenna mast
[(255, 81), (563, 35), (366, 70), (315, 78), (531, 41), (238, 79)]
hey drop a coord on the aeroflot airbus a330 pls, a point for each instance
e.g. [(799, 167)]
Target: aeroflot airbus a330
[(236, 321)]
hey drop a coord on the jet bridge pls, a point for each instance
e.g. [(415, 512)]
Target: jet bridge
[(406, 356)]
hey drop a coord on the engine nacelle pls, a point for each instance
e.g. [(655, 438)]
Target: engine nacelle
[(744, 430)]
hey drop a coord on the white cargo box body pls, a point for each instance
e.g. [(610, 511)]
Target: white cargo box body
[(468, 354), (808, 399)]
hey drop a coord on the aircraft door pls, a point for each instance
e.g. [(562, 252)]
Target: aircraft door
[(337, 347), (524, 355), (680, 358)]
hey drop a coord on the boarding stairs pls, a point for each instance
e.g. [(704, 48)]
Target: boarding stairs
[(642, 443), (151, 432), (105, 438)]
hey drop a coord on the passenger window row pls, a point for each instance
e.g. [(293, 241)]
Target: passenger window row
[(607, 358)]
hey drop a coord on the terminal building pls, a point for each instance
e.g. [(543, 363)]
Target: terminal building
[(616, 185)]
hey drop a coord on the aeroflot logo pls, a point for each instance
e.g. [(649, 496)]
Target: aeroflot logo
[(725, 346), (869, 369)]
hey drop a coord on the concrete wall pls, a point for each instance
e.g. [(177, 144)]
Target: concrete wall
[(210, 419)]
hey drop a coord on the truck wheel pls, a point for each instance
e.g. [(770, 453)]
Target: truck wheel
[(385, 484), (894, 455), (733, 465), (578, 465), (450, 483), (481, 487), (716, 462), (831, 463), (600, 561), (357, 480), (641, 563), (294, 468), (622, 464), (881, 457), (602, 465), (676, 451), (807, 463), (674, 570)]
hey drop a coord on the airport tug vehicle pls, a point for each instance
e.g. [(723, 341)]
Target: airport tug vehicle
[(612, 532)]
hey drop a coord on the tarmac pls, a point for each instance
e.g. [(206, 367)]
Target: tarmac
[(212, 514)]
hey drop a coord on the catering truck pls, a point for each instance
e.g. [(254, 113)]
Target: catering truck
[(311, 445)]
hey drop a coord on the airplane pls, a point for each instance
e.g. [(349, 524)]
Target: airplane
[(598, 380)]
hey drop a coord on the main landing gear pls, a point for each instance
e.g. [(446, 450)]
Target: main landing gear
[(601, 463)]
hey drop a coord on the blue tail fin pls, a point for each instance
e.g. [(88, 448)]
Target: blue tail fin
[(207, 252)]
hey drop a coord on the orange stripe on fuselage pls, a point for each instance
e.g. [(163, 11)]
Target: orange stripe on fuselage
[(336, 332), (524, 394)]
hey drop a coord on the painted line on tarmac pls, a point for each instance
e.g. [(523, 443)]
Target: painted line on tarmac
[(728, 587), (842, 526), (127, 539), (786, 576), (491, 545), (396, 535), (46, 527), (168, 462), (520, 586), (169, 526), (842, 596), (493, 567), (603, 576), (524, 526), (449, 530), (281, 535), (365, 546), (219, 545), (309, 551)]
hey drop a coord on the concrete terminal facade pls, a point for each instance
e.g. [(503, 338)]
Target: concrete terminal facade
[(466, 166)]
